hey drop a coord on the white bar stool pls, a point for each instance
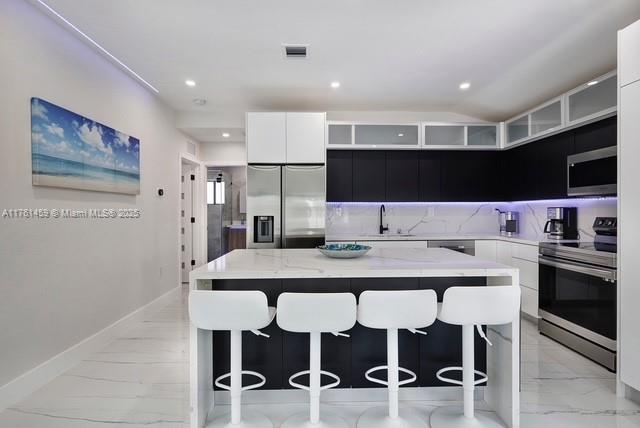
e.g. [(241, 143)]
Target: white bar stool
[(234, 311), (473, 307), (315, 313), (393, 310)]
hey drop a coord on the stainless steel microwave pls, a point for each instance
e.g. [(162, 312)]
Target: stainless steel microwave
[(593, 173)]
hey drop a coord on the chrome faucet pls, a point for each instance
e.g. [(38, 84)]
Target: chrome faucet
[(382, 212)]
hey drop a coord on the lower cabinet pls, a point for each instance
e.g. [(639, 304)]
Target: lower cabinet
[(487, 249), (524, 257)]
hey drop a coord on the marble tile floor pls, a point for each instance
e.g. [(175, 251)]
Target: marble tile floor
[(141, 380)]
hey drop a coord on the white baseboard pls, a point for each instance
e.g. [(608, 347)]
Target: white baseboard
[(632, 394), (27, 383)]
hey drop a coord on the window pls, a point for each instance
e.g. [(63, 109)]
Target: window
[(215, 192)]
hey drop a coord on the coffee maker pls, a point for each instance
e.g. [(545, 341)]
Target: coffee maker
[(562, 223)]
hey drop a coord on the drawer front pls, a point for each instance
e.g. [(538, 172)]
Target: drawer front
[(503, 252), (487, 250), (529, 301), (525, 252), (528, 272)]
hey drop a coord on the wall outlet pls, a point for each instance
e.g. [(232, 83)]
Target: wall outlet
[(431, 211)]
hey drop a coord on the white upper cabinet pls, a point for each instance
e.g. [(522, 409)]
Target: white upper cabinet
[(340, 134), (588, 102), (546, 118), (439, 135), (518, 129), (266, 137), (277, 137), (374, 135), (451, 135), (628, 58), (482, 135), (595, 98), (539, 121), (305, 137)]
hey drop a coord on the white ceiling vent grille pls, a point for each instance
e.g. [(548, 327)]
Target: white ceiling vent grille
[(295, 51)]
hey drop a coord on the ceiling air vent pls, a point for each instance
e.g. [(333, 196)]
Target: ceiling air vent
[(295, 51)]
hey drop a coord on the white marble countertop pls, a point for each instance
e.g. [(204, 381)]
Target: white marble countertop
[(379, 262), (520, 239)]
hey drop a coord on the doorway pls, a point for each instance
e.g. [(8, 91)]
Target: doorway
[(187, 220), (226, 210)]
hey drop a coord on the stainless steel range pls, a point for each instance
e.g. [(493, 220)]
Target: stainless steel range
[(577, 293)]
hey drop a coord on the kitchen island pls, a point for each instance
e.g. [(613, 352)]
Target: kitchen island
[(306, 270)]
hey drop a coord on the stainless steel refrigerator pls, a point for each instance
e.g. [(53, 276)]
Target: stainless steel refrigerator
[(285, 206)]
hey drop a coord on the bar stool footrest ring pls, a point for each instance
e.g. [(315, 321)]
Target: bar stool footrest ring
[(322, 372), (370, 378), (219, 384), (440, 372)]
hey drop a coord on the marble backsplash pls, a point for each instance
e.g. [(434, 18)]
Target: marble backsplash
[(348, 219)]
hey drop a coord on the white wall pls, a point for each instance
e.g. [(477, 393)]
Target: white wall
[(223, 153), (63, 280)]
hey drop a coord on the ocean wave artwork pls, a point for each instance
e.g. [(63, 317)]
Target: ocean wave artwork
[(71, 151)]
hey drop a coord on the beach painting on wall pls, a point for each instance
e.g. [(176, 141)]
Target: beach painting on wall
[(71, 151)]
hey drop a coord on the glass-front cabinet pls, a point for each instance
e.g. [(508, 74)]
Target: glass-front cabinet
[(387, 135), (438, 135), (482, 135), (369, 135), (598, 97), (448, 135), (546, 118), (339, 135), (518, 129)]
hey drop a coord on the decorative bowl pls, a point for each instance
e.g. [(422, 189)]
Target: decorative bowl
[(343, 251)]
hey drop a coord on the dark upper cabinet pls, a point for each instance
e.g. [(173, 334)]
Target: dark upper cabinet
[(524, 172), (402, 176), (597, 135), (469, 176), (551, 159), (532, 171), (429, 176), (339, 176), (369, 176)]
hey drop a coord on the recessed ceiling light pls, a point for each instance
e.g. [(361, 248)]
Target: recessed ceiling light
[(593, 82), (225, 134), (465, 85), (190, 83), (401, 135), (335, 85), (199, 101)]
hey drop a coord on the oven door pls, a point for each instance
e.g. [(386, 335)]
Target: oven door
[(580, 298)]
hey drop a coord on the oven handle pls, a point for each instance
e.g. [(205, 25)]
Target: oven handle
[(606, 274)]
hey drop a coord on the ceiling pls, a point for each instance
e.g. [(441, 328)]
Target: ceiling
[(408, 55)]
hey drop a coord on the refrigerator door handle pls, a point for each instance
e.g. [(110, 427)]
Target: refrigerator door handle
[(283, 209)]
